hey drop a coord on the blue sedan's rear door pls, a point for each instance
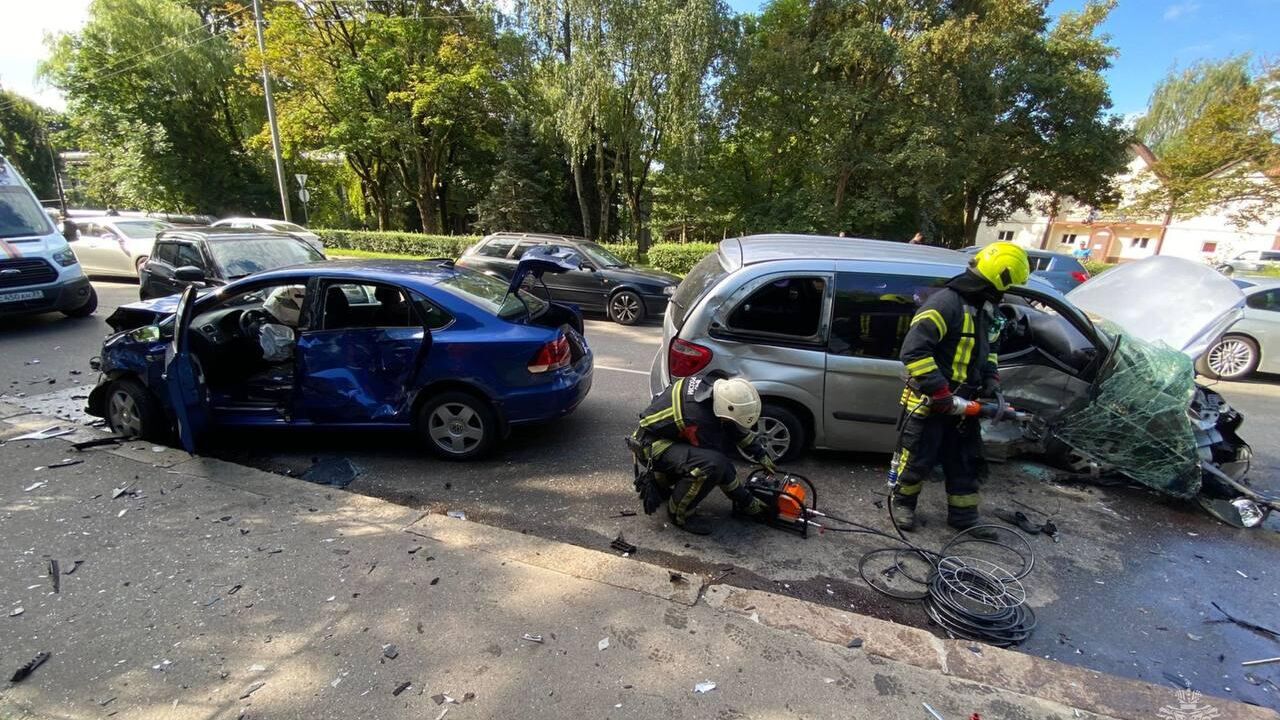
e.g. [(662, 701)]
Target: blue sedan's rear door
[(183, 378), (358, 363)]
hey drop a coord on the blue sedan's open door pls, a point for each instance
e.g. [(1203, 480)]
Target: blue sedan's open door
[(183, 378)]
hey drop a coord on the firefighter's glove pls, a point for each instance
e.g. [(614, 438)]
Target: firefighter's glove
[(767, 463), (990, 387), (942, 402)]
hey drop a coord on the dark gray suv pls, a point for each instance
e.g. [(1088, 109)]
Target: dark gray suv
[(606, 283)]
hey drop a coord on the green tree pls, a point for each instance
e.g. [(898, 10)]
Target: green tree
[(152, 89), (1225, 160), (24, 139), (1181, 98), (526, 193)]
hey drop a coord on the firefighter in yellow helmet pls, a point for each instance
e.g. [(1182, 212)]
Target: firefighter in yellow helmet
[(949, 359)]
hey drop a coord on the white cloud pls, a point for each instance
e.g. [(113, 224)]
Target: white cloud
[(1181, 9)]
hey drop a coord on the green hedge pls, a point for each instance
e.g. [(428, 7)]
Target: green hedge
[(678, 258), (401, 243), (1096, 267), (675, 258)]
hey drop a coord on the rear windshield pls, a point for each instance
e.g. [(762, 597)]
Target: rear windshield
[(709, 271), (490, 293), (20, 214), (142, 229), (245, 257)]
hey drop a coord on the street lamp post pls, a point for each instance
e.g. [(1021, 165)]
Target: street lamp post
[(271, 112)]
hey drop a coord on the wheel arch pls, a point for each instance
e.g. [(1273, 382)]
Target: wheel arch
[(799, 410), (430, 390)]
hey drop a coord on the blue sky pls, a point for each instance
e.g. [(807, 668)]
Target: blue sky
[(1152, 36)]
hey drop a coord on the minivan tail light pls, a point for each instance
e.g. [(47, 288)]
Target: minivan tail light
[(685, 358), (552, 356), (1080, 275)]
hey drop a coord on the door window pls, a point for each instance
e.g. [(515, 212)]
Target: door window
[(166, 252), (872, 313), (790, 307), (188, 254), (497, 248), (1269, 300), (361, 305)]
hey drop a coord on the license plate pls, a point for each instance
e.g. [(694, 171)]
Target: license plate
[(20, 296)]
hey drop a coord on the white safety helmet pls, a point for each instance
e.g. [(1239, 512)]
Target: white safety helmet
[(285, 304), (737, 400)]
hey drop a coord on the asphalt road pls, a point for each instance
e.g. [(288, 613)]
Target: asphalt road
[(1128, 590)]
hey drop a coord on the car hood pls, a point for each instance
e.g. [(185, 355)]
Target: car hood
[(1181, 303), (146, 312), (654, 276)]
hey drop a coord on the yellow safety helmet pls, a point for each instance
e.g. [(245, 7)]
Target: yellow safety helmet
[(1003, 264)]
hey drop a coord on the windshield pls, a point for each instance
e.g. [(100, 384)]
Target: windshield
[(251, 255), (601, 256), (287, 227), (142, 229), (488, 292), (20, 214)]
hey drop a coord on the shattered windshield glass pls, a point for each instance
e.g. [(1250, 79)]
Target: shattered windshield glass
[(1138, 421)]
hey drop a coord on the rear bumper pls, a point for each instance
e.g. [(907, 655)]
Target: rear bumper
[(67, 295), (554, 400)]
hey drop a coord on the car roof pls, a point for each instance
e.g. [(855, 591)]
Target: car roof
[(409, 273), (754, 249), (548, 237), (1258, 285), (217, 234)]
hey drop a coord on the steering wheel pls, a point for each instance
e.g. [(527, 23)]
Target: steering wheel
[(251, 321)]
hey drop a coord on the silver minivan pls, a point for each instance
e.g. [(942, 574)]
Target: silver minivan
[(816, 323)]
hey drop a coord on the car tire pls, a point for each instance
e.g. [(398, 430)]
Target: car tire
[(626, 308), (138, 265), (458, 425), (1232, 357), (782, 433), (132, 411), (89, 307)]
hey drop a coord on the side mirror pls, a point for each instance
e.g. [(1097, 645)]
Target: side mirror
[(588, 267), (189, 273)]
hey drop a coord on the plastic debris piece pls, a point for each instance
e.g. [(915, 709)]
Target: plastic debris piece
[(234, 589), (437, 699), (335, 472), (334, 682), (75, 565), (157, 449), (34, 485), (17, 611), (55, 576), (390, 652), (531, 638), (255, 687), (52, 431), (457, 514), (603, 644), (1264, 661), (96, 442), (401, 688), (855, 643), (677, 577), (442, 714), (65, 462), (413, 550), (705, 686), (1250, 514), (620, 544), (25, 671), (331, 598), (932, 712), (122, 512)]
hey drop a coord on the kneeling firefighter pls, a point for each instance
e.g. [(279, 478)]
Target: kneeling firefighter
[(950, 360), (683, 444)]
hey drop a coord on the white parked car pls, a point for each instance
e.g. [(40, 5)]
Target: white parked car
[(115, 246), (279, 226)]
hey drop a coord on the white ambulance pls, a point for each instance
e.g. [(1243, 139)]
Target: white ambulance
[(38, 271)]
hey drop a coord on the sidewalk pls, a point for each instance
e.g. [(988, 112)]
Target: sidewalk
[(209, 590)]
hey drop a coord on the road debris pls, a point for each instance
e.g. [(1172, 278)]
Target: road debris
[(52, 431), (255, 687), (335, 472), (17, 611), (442, 714), (55, 576), (122, 512), (234, 589), (621, 545), (413, 550), (390, 652), (531, 638), (603, 644), (1264, 661), (34, 486), (401, 688), (25, 671), (705, 686), (677, 577), (1243, 623), (117, 492), (457, 514), (97, 442), (855, 643), (932, 712), (64, 462), (624, 513), (75, 565)]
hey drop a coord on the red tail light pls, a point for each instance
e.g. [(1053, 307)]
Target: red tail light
[(1080, 275), (685, 358), (552, 356)]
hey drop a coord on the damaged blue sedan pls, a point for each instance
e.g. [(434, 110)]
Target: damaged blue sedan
[(454, 355)]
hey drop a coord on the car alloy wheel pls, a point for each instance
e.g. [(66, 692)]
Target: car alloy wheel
[(775, 437), (455, 428), (123, 414), (625, 308), (1232, 357)]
